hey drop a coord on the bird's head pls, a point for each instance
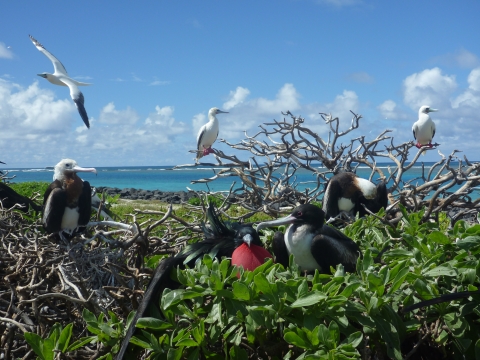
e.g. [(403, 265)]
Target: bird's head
[(303, 214), (425, 109), (247, 235), (69, 166), (214, 111), (43, 75)]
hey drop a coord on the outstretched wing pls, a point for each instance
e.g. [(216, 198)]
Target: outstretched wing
[(57, 65), (78, 99)]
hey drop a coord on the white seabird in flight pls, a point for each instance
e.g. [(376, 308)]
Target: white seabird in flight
[(60, 77), (424, 128), (208, 134)]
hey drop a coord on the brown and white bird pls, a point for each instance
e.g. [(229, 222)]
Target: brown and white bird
[(208, 133), (67, 201), (60, 77), (346, 192), (424, 128)]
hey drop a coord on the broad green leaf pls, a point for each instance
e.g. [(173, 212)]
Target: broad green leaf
[(171, 298), (81, 342), (311, 299), (439, 238), (36, 343), (469, 242), (152, 323), (241, 291), (441, 270), (292, 338), (64, 338)]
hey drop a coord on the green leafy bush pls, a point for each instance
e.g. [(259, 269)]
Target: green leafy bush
[(281, 313)]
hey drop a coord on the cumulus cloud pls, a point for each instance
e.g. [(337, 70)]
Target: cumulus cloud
[(428, 87), (110, 115), (236, 97), (5, 52), (471, 96), (389, 110)]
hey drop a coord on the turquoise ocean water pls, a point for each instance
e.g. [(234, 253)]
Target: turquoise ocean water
[(165, 179)]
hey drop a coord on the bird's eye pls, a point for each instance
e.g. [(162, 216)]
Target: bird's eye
[(299, 213)]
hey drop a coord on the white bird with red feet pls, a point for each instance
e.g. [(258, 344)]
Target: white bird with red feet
[(208, 134), (424, 128)]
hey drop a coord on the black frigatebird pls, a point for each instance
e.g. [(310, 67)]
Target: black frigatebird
[(313, 244), (9, 197), (238, 241), (67, 201), (346, 192)]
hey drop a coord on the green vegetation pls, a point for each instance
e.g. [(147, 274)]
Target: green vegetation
[(31, 188), (279, 313)]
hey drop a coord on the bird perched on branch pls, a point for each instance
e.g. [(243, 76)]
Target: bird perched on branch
[(238, 241), (208, 133), (60, 77), (313, 244), (347, 192), (424, 128), (67, 201)]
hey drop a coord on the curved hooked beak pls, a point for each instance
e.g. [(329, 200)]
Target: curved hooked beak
[(247, 239), (282, 221), (80, 169)]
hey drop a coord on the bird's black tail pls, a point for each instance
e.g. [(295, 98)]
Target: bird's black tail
[(218, 241)]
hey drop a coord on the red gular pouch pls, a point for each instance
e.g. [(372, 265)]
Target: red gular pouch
[(249, 257)]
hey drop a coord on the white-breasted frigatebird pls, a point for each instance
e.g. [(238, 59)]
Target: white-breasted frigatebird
[(67, 201), (424, 128), (208, 133), (313, 244), (347, 192), (60, 77), (238, 241)]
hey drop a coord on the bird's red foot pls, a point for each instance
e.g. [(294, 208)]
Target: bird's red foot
[(418, 145), (207, 151)]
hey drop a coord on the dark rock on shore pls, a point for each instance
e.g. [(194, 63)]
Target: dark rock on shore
[(175, 197)]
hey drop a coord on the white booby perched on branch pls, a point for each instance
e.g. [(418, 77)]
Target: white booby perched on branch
[(424, 128), (60, 77), (313, 244), (208, 134), (347, 192), (67, 201)]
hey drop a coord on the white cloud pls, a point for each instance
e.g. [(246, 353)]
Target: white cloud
[(470, 98), (197, 122), (428, 87), (461, 58), (361, 77), (109, 115), (236, 97), (5, 52), (390, 110), (159, 82)]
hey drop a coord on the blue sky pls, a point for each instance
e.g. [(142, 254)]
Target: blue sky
[(158, 67)]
